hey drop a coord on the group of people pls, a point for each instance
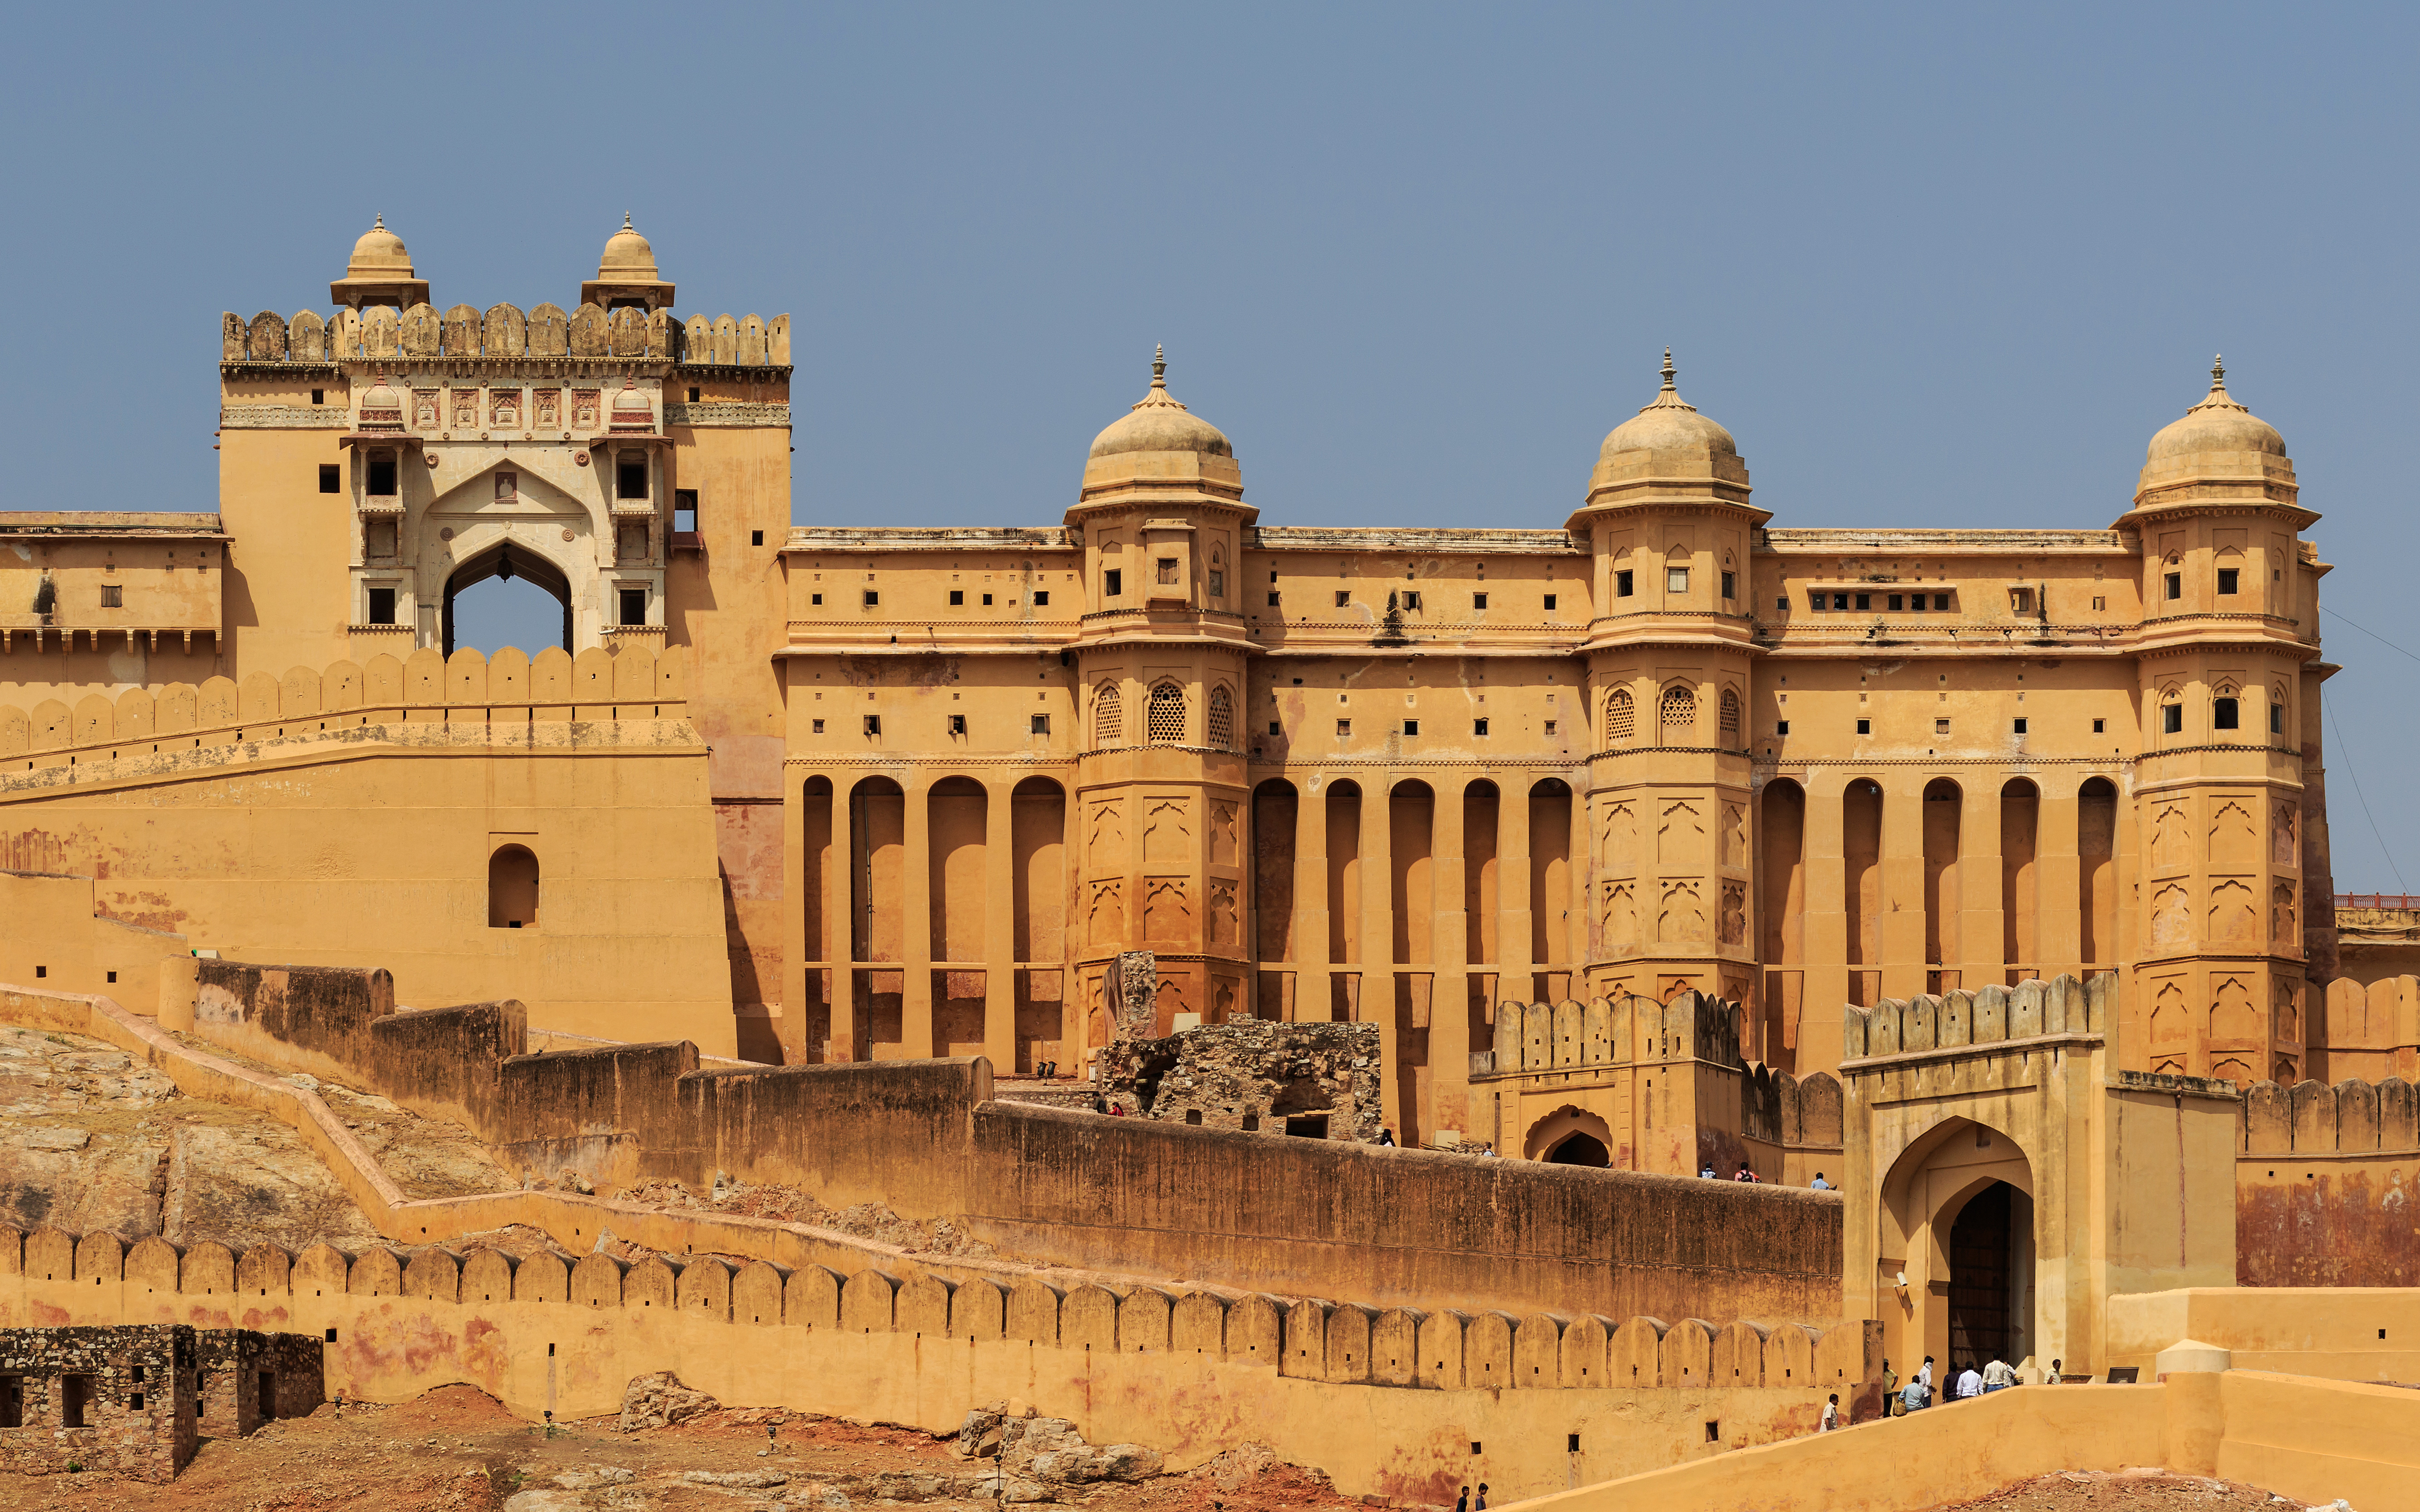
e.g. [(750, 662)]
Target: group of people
[(1965, 1380), (1747, 1173)]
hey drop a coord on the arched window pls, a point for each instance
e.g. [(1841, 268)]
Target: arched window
[(1680, 712), (512, 889), (1621, 717), (1221, 732), (1108, 724), (2172, 712), (1731, 717), (2226, 709), (1167, 717)]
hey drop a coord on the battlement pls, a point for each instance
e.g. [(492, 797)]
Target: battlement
[(501, 333), (630, 681)]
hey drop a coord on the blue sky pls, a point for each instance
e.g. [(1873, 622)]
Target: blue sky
[(1932, 265)]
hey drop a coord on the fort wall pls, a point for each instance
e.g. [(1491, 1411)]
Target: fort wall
[(2328, 1183), (1407, 1403)]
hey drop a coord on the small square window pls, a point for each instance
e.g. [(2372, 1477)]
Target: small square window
[(1479, 727), (1411, 727), (2099, 727), (1412, 602), (2227, 577), (1550, 603), (1273, 598), (1550, 727), (1622, 584), (1781, 605), (1042, 599), (1113, 583), (987, 598), (2174, 583), (318, 397), (1865, 601), (1343, 598), (2020, 726), (1276, 728), (635, 606), (1478, 601), (874, 724), (755, 537), (2222, 713), (1840, 601), (1894, 600), (1940, 726), (957, 724), (2099, 603), (1865, 727), (1167, 569), (1781, 727), (873, 599), (814, 598), (819, 727), (1344, 728), (113, 596), (332, 478), (2172, 719), (2276, 719), (958, 596), (1676, 579), (1730, 585), (692, 394), (1941, 603), (112, 977), (1038, 725), (1818, 602), (381, 606)]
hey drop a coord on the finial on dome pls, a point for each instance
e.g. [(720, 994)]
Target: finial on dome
[(2218, 374), (625, 220), (1668, 372), (1158, 366), (379, 224)]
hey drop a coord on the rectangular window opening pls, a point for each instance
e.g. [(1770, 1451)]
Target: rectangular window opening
[(2172, 719), (874, 724), (1940, 726), (2174, 585), (1730, 585), (957, 724), (1479, 601), (1865, 727), (318, 397), (2228, 576), (1941, 602), (819, 727), (1411, 727), (332, 478), (1042, 599), (75, 1401), (755, 537), (1676, 579), (2020, 726), (1040, 725), (957, 598), (381, 606), (1893, 601), (113, 596), (685, 509), (1479, 727), (631, 478), (1781, 727), (1865, 601), (635, 606), (1344, 728), (1550, 603), (1623, 584), (873, 598), (1343, 598), (1412, 602), (2222, 713), (1166, 569), (1113, 583), (382, 472), (2276, 719), (2099, 727)]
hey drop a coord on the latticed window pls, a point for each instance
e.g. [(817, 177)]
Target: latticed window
[(1167, 714), (1731, 717), (1108, 724), (1221, 734), (1620, 717), (1680, 711)]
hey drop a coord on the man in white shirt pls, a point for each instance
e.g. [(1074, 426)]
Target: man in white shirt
[(1831, 1415), (1918, 1393), (1970, 1383), (1998, 1376), (1819, 1184)]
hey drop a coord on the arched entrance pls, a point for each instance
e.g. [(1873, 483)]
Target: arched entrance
[(504, 559), (1579, 1150), (1956, 1222)]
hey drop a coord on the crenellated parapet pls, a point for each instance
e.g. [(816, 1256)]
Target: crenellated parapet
[(501, 333), (630, 681)]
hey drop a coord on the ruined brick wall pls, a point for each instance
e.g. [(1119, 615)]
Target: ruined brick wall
[(134, 1388), (244, 1378), (1254, 1075)]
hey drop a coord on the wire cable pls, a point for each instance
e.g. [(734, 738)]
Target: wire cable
[(2372, 634), (2356, 778)]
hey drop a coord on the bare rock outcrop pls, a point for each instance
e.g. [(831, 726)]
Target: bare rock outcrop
[(659, 1400)]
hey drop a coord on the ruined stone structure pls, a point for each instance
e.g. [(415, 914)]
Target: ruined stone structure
[(1317, 1081), (105, 1399)]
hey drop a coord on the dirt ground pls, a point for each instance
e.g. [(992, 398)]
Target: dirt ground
[(2132, 1490), (458, 1450)]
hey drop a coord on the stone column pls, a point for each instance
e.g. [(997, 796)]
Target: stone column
[(1512, 983), (1449, 988), (840, 922), (915, 990), (1310, 980), (1000, 928)]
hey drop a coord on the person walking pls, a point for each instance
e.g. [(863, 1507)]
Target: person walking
[(1462, 1502), (1890, 1390), (1707, 1170), (1919, 1395), (1387, 1136), (1481, 1505), (1998, 1376), (1970, 1382), (1831, 1413)]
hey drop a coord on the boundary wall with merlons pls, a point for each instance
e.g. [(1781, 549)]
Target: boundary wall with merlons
[(1389, 1403), (1054, 1187), (2312, 1440)]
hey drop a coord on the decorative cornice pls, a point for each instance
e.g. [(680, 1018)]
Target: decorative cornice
[(284, 417), (723, 413)]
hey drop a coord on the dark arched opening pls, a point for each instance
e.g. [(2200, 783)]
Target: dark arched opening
[(512, 889), (1982, 1276), (1579, 1150), (495, 616)]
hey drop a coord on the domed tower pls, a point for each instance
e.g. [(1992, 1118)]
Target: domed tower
[(626, 274), (1161, 656), (2229, 675), (378, 273), (1669, 524)]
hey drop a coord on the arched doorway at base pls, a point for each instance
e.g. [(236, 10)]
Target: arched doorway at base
[(1577, 1148)]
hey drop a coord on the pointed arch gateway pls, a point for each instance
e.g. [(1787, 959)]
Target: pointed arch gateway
[(507, 558)]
